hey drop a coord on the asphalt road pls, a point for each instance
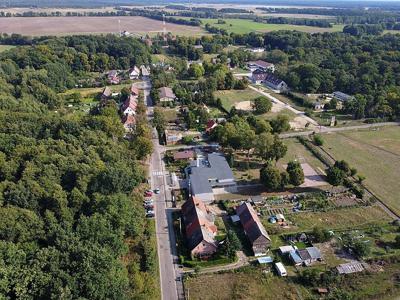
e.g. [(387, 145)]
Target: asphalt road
[(171, 289)]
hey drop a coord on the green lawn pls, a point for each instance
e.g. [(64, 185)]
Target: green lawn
[(87, 92), (375, 154), (230, 97), (242, 26), (5, 47)]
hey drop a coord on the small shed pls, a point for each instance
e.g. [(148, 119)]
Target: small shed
[(235, 218), (296, 259), (265, 260), (286, 249), (257, 200)]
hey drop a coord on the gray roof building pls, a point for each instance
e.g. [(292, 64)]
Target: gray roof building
[(342, 96), (206, 174)]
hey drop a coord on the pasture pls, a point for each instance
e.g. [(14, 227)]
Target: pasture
[(242, 26), (375, 154), (90, 25)]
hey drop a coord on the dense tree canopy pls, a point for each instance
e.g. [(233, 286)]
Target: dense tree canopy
[(68, 181)]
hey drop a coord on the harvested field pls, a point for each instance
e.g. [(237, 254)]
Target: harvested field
[(89, 25)]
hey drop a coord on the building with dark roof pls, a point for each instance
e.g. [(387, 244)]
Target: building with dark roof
[(305, 256), (269, 79), (342, 96), (199, 228), (253, 228), (211, 172), (261, 65)]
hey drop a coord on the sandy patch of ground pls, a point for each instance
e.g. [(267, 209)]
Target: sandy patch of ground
[(248, 106), (244, 105), (299, 123)]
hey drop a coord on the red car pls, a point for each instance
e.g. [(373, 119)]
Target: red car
[(148, 193)]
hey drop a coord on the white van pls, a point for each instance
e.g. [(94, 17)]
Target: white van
[(280, 269)]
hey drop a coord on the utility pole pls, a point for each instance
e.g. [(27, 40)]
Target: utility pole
[(164, 29), (119, 28)]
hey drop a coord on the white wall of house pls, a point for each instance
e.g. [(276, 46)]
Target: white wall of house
[(129, 111)]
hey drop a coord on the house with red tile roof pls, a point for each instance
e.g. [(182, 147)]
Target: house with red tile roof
[(129, 106), (211, 124), (129, 122), (134, 90), (184, 155), (113, 77), (199, 228)]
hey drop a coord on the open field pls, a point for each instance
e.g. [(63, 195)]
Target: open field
[(20, 10), (5, 47), (375, 154), (89, 25), (245, 26), (252, 284), (231, 97), (341, 218), (296, 16)]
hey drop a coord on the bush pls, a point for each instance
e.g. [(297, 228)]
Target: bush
[(335, 176), (321, 235), (262, 105), (318, 140)]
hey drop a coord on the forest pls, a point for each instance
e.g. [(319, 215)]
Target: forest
[(72, 224), (365, 65)]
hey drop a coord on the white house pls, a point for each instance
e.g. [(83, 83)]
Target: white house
[(134, 73), (129, 106)]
